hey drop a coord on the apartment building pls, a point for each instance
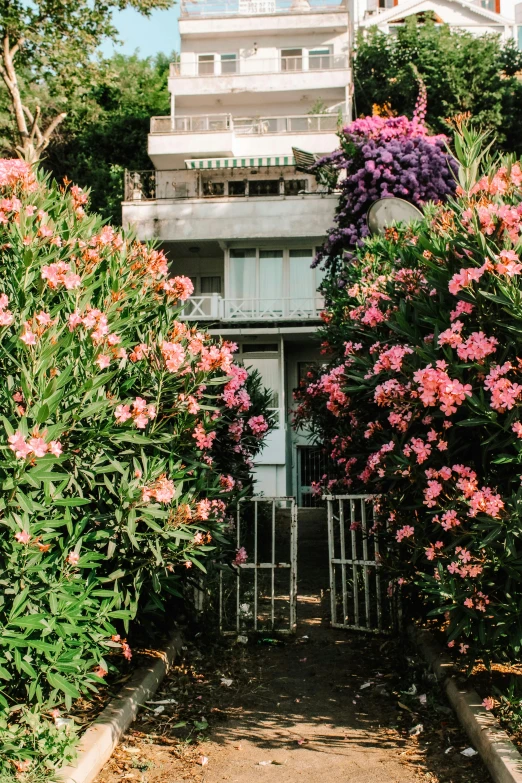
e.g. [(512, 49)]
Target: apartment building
[(255, 80)]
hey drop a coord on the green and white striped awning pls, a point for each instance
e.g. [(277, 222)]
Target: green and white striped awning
[(240, 163)]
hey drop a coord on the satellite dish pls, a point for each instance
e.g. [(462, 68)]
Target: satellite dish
[(386, 211)]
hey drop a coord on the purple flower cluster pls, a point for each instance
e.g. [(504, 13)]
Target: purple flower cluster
[(384, 157)]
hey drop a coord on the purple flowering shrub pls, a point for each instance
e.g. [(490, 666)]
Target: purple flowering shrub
[(382, 157)]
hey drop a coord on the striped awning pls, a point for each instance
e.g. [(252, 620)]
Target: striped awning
[(240, 163)]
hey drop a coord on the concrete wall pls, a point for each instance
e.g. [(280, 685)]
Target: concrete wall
[(228, 219)]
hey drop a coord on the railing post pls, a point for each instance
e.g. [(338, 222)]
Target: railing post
[(214, 305)]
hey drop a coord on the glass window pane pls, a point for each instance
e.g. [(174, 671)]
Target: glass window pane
[(205, 64), (243, 274), (302, 279), (291, 59), (229, 63), (211, 285), (271, 281)]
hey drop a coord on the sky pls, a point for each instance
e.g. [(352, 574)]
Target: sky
[(157, 33)]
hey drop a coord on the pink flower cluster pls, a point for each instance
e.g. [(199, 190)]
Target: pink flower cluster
[(34, 446), (6, 316), (139, 411), (258, 425), (180, 287), (436, 387), (173, 354), (504, 393), (466, 277), (234, 395), (162, 490), (59, 274), (391, 359), (203, 439), (15, 172), (475, 348)]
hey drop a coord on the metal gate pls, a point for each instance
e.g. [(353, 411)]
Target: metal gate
[(259, 592), (357, 591)]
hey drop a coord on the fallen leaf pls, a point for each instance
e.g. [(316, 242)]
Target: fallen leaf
[(422, 698), (366, 685), (159, 710), (416, 730), (404, 706), (469, 752), (202, 761), (226, 682), (448, 750)]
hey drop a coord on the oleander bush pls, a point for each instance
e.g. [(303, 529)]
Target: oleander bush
[(420, 401), (125, 434)]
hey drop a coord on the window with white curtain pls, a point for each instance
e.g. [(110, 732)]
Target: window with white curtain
[(279, 281)]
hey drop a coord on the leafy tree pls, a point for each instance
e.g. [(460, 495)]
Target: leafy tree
[(50, 43), (107, 126), (462, 72)]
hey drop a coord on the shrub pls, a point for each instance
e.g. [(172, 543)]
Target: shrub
[(381, 157), (420, 402), (124, 435)]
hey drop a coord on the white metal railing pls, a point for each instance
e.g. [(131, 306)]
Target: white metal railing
[(247, 126), (253, 66), (195, 8), (191, 124), (213, 306)]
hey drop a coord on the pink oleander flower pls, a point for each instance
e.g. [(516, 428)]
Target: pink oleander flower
[(203, 439), (258, 425), (227, 483), (241, 556), (488, 703), (462, 308), (508, 263), (180, 287), (517, 429), (163, 490), (173, 354), (463, 649), (477, 347), (99, 671), (139, 411), (73, 558), (59, 273), (404, 532), (23, 537), (103, 361)]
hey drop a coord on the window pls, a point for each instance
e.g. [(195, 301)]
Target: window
[(291, 59), (229, 63), (213, 188), (205, 64), (243, 274), (237, 187), (263, 187), (210, 285), (265, 283), (294, 186), (260, 348), (387, 3), (318, 59), (491, 5)]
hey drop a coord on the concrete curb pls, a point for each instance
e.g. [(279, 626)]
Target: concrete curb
[(500, 756), (100, 739)]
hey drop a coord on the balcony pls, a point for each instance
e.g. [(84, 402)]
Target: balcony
[(254, 66), (217, 308), (196, 9), (173, 140), (246, 126)]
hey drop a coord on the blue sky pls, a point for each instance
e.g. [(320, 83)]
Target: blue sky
[(158, 33)]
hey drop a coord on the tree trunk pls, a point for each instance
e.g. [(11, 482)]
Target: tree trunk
[(32, 141)]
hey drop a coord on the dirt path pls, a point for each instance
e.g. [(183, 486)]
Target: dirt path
[(327, 704)]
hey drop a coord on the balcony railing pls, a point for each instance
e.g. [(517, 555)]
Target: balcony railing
[(215, 307), (196, 8), (254, 67), (246, 126)]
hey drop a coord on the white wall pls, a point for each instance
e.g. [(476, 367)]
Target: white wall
[(270, 480), (227, 219)]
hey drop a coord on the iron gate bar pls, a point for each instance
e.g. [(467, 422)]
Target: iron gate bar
[(359, 565), (255, 566)]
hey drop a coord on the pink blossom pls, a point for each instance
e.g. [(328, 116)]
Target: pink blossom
[(103, 361), (404, 532), (180, 287), (488, 703), (241, 556), (258, 425), (23, 537), (73, 558)]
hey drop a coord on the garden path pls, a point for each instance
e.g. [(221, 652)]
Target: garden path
[(300, 711)]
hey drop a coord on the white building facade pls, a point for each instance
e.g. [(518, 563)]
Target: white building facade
[(255, 79)]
